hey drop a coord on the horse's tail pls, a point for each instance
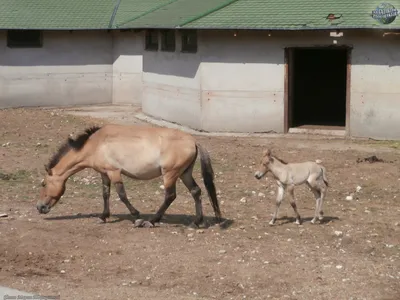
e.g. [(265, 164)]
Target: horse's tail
[(208, 176), (324, 175)]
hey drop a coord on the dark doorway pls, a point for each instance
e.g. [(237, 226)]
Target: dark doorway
[(317, 85)]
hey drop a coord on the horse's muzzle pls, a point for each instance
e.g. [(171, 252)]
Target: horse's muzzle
[(43, 208)]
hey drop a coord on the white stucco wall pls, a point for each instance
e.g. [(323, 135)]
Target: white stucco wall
[(230, 84), (233, 83), (70, 69), (127, 67), (375, 92), (172, 86), (242, 83), (239, 82)]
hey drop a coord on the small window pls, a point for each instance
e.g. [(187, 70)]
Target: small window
[(24, 38), (151, 40), (168, 40), (189, 41)]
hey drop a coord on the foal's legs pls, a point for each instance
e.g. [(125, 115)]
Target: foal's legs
[(315, 189), (279, 198), (290, 189), (106, 197), (194, 189), (323, 193)]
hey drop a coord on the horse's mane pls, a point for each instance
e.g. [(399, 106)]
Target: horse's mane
[(281, 160), (75, 144)]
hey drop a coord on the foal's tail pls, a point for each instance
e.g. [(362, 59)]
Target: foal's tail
[(324, 175), (208, 176)]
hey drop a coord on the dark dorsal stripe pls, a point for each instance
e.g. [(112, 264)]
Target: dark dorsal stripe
[(281, 160), (75, 144)]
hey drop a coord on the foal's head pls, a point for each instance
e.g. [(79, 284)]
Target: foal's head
[(264, 164), (266, 160)]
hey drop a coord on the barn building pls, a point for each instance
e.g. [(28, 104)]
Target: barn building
[(213, 65)]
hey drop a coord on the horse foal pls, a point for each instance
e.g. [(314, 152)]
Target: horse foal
[(289, 175)]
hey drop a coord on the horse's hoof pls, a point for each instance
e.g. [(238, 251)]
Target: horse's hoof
[(313, 221), (147, 224), (193, 225), (298, 222), (103, 218), (135, 215), (143, 224), (139, 222), (320, 218), (271, 223)]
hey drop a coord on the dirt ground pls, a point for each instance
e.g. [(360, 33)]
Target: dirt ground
[(353, 254)]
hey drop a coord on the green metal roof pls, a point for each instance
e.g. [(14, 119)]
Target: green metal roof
[(298, 14), (55, 14), (200, 14), (174, 13), (131, 9)]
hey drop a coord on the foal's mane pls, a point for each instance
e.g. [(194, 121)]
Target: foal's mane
[(75, 144), (281, 160)]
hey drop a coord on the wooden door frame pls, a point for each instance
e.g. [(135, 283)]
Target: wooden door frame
[(288, 64)]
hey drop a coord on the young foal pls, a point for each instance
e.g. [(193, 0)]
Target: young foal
[(139, 152), (290, 175)]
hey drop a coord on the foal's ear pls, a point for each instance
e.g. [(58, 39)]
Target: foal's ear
[(267, 152)]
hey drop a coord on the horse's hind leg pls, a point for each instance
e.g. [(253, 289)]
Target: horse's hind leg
[(169, 197), (293, 203), (194, 189), (314, 188), (106, 182)]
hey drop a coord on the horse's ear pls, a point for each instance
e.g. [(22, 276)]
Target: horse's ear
[(48, 171), (71, 142)]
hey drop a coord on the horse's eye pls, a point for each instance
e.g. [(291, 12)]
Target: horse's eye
[(43, 183)]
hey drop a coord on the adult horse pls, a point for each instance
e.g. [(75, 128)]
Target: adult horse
[(139, 152)]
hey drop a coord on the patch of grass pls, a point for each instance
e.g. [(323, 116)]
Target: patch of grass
[(386, 143), (17, 175)]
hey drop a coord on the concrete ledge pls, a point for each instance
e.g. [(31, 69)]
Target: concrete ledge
[(330, 132)]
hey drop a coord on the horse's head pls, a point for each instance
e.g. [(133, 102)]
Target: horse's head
[(53, 187), (264, 163)]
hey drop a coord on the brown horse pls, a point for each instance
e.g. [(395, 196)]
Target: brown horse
[(139, 152)]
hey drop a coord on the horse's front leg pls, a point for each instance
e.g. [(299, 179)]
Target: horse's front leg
[(115, 177), (279, 198), (106, 183)]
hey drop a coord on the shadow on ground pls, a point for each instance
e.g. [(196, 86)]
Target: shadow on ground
[(170, 219), (287, 220)]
